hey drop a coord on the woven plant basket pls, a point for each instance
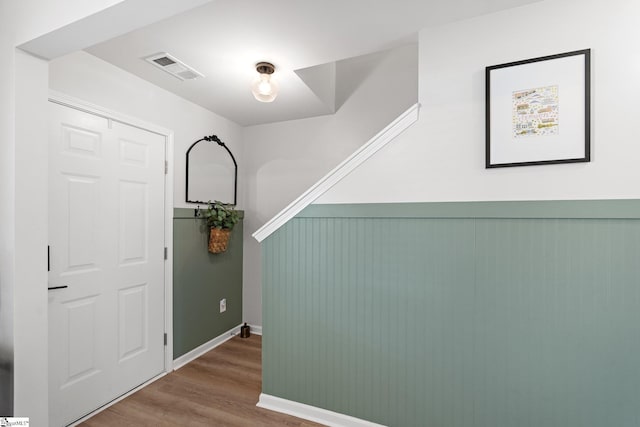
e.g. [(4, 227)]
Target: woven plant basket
[(218, 240)]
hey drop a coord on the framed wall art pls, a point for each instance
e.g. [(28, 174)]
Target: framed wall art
[(537, 111)]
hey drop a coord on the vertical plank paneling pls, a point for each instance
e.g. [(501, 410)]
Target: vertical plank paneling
[(200, 280), (549, 321), (469, 322)]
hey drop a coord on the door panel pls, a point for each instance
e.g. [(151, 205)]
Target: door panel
[(81, 197), (133, 219), (132, 321), (106, 205), (81, 339)]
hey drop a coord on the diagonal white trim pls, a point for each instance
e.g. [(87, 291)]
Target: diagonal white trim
[(311, 413), (383, 137)]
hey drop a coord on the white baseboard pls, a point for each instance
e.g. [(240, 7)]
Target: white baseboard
[(208, 346), (311, 413), (255, 329)]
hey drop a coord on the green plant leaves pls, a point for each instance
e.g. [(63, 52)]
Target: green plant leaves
[(221, 215)]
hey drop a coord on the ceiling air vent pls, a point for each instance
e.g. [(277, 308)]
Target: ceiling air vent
[(173, 66)]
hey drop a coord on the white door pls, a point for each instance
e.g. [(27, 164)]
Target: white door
[(106, 236)]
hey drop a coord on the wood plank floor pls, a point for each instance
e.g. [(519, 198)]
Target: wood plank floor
[(220, 388)]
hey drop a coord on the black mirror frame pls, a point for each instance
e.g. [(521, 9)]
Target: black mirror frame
[(212, 138)]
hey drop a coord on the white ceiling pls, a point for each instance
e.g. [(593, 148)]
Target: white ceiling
[(225, 38)]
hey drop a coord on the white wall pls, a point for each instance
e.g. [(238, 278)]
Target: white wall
[(22, 290), (285, 159), (91, 79), (441, 158), (22, 186), (31, 201), (50, 15), (7, 218)]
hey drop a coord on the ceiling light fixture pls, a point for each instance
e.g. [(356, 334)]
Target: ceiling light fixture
[(264, 88)]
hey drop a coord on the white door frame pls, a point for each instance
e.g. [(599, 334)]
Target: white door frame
[(77, 104)]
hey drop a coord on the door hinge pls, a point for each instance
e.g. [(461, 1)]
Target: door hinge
[(166, 167), (165, 338), (166, 253)]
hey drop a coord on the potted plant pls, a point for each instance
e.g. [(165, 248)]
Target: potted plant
[(220, 218)]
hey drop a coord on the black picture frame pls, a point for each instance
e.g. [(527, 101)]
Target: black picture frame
[(526, 136)]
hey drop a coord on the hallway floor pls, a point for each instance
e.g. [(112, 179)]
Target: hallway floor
[(220, 388)]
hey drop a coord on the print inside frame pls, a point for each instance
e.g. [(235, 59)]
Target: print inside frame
[(538, 111)]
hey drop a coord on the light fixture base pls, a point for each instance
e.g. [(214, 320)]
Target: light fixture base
[(265, 68)]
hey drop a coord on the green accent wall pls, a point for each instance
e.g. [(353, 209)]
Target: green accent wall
[(200, 281), (488, 314)]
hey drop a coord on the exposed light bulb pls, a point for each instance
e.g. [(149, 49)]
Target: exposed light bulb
[(264, 88)]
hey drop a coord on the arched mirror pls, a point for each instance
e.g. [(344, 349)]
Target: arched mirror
[(212, 172)]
